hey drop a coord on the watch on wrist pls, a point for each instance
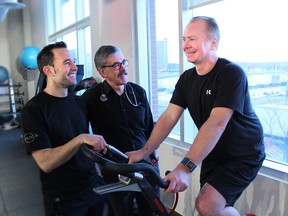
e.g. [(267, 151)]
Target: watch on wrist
[(188, 164)]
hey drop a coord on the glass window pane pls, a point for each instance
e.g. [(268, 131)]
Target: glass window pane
[(256, 43), (167, 50), (83, 9), (244, 40), (84, 50), (71, 41), (65, 13), (70, 27)]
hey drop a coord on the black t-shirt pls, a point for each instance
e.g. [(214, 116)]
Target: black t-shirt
[(224, 86), (50, 122), (125, 121)]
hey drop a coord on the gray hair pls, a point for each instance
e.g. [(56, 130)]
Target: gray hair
[(103, 53)]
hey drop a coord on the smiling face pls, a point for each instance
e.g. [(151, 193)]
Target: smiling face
[(197, 45), (63, 72), (115, 77)]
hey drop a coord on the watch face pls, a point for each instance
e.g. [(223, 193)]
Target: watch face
[(189, 165)]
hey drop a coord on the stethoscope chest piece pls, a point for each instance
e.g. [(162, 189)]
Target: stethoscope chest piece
[(128, 87)]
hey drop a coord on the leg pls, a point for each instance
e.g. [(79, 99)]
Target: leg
[(96, 204), (223, 183), (88, 204), (210, 202)]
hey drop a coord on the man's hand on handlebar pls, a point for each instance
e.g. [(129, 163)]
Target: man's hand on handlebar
[(96, 142), (178, 178), (135, 156)]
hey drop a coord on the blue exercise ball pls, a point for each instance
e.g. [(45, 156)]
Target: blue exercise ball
[(28, 57), (4, 74)]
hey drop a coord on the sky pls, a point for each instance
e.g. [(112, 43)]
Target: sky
[(251, 30)]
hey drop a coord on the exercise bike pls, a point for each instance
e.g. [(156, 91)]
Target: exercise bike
[(132, 177)]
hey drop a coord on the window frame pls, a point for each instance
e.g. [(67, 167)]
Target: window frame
[(77, 27)]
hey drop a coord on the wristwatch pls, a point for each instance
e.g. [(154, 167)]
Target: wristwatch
[(188, 164)]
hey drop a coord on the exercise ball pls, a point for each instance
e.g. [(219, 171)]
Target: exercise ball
[(28, 57), (4, 74)]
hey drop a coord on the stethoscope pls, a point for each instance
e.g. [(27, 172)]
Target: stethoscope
[(127, 87)]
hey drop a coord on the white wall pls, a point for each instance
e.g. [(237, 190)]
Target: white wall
[(11, 32), (4, 60), (20, 28), (111, 24)]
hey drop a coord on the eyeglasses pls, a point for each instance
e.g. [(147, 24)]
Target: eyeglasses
[(117, 65)]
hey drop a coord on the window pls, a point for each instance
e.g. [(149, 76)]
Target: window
[(66, 13), (69, 21), (252, 35), (167, 56)]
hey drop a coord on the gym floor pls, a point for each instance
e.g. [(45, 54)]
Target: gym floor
[(20, 189)]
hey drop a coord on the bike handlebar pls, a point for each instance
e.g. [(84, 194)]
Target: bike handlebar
[(123, 168)]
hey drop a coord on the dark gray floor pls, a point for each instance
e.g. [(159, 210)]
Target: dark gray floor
[(20, 193)]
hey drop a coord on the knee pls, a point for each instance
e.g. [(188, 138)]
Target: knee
[(201, 206)]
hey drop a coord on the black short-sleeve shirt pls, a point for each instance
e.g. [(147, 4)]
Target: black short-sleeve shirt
[(224, 86), (49, 122)]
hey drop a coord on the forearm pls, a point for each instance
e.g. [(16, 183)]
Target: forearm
[(203, 143), (161, 130), (50, 159)]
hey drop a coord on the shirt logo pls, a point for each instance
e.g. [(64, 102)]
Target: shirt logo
[(29, 137), (208, 92)]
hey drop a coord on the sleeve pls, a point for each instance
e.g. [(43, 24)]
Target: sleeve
[(33, 124), (232, 88), (178, 96)]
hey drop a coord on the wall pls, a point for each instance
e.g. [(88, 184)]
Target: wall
[(11, 43), (35, 34), (111, 23), (4, 60), (22, 28)]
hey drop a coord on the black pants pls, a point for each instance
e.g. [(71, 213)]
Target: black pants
[(129, 204), (88, 204)]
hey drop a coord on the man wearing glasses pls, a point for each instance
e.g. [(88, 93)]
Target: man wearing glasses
[(119, 111)]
